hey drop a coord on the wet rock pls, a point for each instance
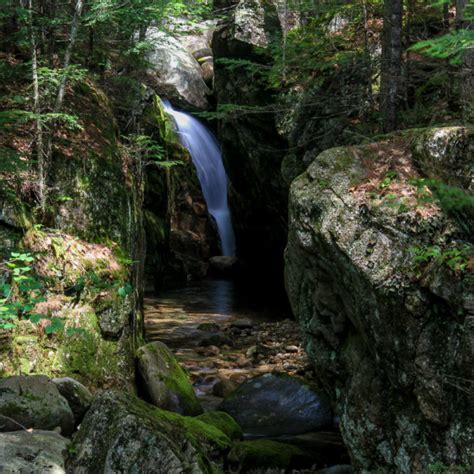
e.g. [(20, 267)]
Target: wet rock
[(78, 396), (121, 433), (224, 387), (37, 452), (216, 340), (292, 349), (242, 324), (177, 75), (265, 454), (209, 327), (33, 402), (223, 266), (166, 382), (273, 405)]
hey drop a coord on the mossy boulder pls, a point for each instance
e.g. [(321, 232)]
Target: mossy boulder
[(247, 456), (165, 380), (33, 402), (121, 433), (37, 452), (224, 422)]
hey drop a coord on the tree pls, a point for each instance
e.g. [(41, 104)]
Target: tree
[(465, 21), (391, 73)]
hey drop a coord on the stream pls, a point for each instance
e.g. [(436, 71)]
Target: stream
[(223, 334)]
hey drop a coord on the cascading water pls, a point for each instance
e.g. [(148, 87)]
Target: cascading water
[(207, 158)]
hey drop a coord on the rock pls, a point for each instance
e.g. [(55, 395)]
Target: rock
[(273, 405), (350, 269), (292, 349), (223, 265), (78, 396), (33, 402), (166, 382), (216, 340), (121, 433), (265, 454), (177, 74), (223, 422), (115, 318), (251, 145), (224, 387), (209, 327), (35, 452), (242, 324)]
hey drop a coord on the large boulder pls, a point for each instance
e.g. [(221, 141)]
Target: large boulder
[(166, 382), (121, 433), (383, 308), (33, 402), (177, 74), (36, 452), (273, 405)]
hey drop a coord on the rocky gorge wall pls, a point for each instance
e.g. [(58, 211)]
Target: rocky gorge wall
[(82, 246), (389, 334)]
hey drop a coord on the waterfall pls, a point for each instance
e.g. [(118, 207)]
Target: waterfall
[(207, 158)]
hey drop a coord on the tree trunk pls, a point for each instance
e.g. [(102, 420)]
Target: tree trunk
[(467, 70), (68, 53), (391, 74), (40, 155)]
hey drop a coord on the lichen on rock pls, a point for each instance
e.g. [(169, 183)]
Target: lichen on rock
[(387, 335)]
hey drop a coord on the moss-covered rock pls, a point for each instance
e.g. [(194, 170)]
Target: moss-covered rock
[(224, 422), (121, 433), (265, 454), (33, 402), (165, 380)]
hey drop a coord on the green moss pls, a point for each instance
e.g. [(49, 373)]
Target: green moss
[(174, 377), (198, 432), (224, 422), (267, 454)]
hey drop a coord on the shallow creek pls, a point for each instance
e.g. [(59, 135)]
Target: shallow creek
[(223, 334)]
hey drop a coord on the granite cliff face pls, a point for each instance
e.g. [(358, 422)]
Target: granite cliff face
[(387, 327)]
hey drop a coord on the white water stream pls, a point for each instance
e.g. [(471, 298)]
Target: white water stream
[(207, 158)]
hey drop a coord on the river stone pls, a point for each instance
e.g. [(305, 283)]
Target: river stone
[(273, 405), (33, 402), (178, 76), (36, 452), (121, 433), (78, 396), (167, 383)]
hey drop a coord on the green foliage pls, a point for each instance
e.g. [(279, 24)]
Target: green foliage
[(450, 46), (450, 198), (20, 291), (457, 258), (146, 150)]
